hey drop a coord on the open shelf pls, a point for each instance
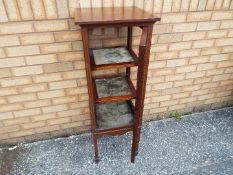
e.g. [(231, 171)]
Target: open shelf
[(110, 89), (114, 115), (115, 57)]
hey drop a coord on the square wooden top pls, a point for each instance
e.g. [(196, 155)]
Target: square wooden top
[(112, 15)]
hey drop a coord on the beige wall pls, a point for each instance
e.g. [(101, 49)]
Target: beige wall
[(43, 89)]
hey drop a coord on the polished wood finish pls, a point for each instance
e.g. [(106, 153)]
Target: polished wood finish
[(144, 52), (104, 16), (118, 17)]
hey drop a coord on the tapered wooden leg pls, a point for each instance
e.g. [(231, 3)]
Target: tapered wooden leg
[(133, 150), (95, 142), (137, 140), (90, 87), (135, 143), (144, 52)]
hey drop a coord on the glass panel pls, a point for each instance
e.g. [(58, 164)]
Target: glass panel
[(112, 115), (112, 55), (108, 87)]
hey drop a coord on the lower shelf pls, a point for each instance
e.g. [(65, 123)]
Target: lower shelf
[(114, 115)]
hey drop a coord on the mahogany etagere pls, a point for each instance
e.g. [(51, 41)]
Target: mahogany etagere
[(110, 96)]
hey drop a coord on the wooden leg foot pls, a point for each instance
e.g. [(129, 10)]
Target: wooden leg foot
[(96, 148), (133, 151), (133, 156), (135, 143), (132, 159)]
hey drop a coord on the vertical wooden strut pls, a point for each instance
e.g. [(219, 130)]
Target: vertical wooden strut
[(129, 46), (90, 87), (144, 53)]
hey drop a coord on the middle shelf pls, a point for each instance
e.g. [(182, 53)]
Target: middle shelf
[(113, 88)]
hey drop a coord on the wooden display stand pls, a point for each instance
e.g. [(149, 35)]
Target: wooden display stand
[(112, 111)]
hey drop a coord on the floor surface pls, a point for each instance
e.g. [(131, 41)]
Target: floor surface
[(198, 144)]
